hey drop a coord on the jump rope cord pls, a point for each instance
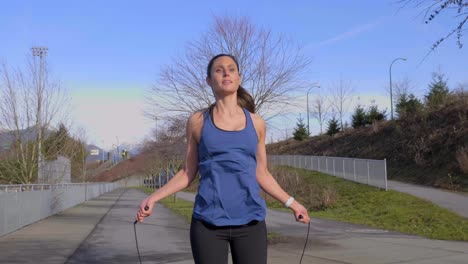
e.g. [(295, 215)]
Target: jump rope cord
[(136, 240), (305, 244), (138, 249)]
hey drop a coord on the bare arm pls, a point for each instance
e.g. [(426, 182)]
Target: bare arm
[(266, 180), (183, 177)]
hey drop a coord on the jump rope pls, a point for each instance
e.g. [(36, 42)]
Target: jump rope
[(146, 209)]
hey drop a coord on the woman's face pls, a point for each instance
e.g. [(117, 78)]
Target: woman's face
[(225, 77)]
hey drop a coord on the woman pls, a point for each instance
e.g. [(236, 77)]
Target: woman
[(226, 143)]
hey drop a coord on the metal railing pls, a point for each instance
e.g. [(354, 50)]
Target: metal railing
[(21, 205), (366, 171), (160, 179), (38, 187)]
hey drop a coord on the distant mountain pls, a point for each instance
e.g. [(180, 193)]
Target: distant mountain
[(95, 154), (7, 137)]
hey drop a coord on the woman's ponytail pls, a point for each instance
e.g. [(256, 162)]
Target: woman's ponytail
[(245, 100)]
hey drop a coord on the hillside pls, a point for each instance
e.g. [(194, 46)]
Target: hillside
[(420, 149), (152, 157), (429, 148)]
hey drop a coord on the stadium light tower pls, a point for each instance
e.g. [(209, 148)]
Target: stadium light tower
[(40, 52)]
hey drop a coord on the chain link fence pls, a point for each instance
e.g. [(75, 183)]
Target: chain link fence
[(366, 171), (23, 204)]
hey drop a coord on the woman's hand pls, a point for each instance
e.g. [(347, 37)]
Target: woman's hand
[(300, 212), (145, 210)]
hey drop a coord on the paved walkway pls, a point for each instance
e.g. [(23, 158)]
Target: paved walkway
[(457, 202), (101, 231)]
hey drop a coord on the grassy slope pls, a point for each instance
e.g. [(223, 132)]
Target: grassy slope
[(421, 149), (362, 204)]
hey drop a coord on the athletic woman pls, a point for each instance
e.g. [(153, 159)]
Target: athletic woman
[(226, 144)]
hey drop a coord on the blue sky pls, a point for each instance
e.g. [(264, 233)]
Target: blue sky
[(108, 53)]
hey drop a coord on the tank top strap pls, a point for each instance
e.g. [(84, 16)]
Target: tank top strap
[(249, 124)]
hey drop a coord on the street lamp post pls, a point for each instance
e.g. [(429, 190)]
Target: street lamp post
[(40, 52), (391, 92), (308, 125), (118, 148)]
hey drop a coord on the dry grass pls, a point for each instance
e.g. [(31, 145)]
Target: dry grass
[(315, 196)]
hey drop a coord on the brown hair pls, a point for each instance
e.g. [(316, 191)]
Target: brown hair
[(244, 99)]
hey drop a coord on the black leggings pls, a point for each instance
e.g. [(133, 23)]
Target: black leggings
[(210, 243)]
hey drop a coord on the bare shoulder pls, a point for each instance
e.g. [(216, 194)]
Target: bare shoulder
[(195, 124), (196, 119), (259, 124), (257, 120)]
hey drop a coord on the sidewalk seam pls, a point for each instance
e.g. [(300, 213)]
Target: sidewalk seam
[(95, 226)]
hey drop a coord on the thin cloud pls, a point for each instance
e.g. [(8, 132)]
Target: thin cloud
[(356, 31)]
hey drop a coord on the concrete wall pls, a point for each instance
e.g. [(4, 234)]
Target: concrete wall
[(18, 209), (55, 171)]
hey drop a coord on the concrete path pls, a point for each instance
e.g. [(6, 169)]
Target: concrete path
[(338, 242), (101, 231), (456, 202)]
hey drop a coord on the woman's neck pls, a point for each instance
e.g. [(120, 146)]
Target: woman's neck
[(227, 105)]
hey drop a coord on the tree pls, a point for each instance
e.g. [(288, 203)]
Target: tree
[(436, 8), (407, 105), (438, 91), (30, 104), (333, 126), (172, 131), (373, 114), (341, 98), (358, 118), (320, 109), (403, 86), (60, 142), (300, 132), (271, 67)]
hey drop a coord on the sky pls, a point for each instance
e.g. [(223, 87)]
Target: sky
[(107, 54)]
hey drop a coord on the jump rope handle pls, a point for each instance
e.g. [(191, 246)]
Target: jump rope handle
[(146, 209), (300, 217)]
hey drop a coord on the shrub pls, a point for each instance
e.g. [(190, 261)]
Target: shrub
[(462, 159)]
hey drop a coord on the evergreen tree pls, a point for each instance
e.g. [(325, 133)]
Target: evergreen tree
[(358, 118), (373, 114), (333, 127), (438, 91), (57, 143), (407, 105), (300, 132)]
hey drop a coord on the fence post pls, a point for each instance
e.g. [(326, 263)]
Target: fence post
[(385, 163), (344, 172), (326, 163), (354, 161), (159, 176), (334, 172), (368, 172), (167, 176)]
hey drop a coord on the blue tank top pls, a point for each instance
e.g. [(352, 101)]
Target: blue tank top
[(229, 193)]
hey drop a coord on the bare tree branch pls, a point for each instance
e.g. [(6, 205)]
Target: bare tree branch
[(29, 105), (435, 8), (320, 110), (271, 68), (342, 96)]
